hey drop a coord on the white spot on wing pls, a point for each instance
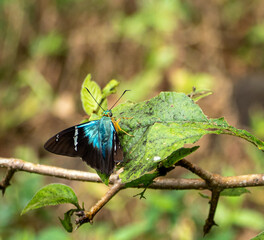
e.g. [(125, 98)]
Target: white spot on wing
[(57, 137), (114, 142), (156, 158), (75, 138)]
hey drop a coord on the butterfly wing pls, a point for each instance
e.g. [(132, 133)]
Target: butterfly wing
[(67, 142), (110, 147), (96, 142)]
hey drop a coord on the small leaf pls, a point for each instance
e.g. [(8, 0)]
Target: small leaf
[(197, 95), (52, 194), (234, 192), (110, 88), (104, 177), (89, 104), (93, 117), (66, 222), (259, 237), (145, 180), (204, 196)]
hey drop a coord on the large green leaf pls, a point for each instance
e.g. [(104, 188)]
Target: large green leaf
[(52, 194), (147, 179), (259, 237), (163, 125)]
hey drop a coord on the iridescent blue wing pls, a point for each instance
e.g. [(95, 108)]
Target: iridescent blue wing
[(96, 142), (110, 145)]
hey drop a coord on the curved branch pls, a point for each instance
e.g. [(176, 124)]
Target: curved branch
[(215, 183)]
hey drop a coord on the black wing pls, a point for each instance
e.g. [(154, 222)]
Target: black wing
[(85, 141)]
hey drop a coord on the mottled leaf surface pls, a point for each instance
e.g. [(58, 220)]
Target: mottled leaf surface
[(259, 236), (163, 125)]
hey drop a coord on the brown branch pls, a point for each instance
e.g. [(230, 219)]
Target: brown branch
[(215, 183), (21, 165), (207, 176), (251, 180), (87, 216)]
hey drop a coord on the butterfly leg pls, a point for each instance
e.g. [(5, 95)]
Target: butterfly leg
[(118, 128)]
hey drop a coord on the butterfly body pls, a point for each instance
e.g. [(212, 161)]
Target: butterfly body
[(96, 142)]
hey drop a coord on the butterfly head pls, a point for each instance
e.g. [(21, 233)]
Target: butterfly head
[(107, 113)]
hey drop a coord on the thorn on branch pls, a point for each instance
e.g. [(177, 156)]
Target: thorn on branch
[(209, 223), (6, 180)]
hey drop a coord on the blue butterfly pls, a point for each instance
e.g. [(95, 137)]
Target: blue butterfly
[(96, 142)]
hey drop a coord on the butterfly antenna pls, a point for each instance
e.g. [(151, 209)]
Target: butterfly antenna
[(94, 98), (119, 98)]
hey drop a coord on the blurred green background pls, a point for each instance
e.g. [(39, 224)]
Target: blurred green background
[(46, 50)]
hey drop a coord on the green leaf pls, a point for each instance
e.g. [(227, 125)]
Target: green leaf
[(259, 237), (104, 177), (110, 88), (197, 95), (89, 104), (147, 179), (178, 155), (52, 194), (222, 127), (66, 222), (144, 180), (204, 196), (163, 125), (234, 192)]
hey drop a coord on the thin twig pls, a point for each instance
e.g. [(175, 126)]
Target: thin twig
[(87, 216), (209, 223)]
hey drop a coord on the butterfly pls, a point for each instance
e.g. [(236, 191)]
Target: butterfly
[(96, 142)]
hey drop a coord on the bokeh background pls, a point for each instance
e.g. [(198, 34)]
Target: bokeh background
[(46, 50)]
